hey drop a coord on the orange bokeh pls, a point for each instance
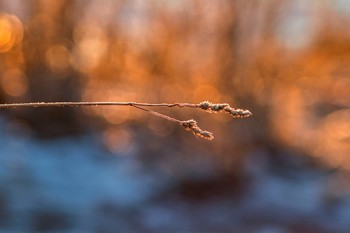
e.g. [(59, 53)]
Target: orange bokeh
[(11, 32), (286, 61)]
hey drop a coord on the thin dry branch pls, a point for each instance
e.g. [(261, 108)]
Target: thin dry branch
[(189, 125), (87, 104)]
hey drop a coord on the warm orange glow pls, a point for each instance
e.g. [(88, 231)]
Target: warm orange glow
[(14, 82), (6, 35), (118, 141), (286, 63), (11, 32), (174, 91), (116, 115), (91, 44), (204, 92), (57, 58), (341, 91), (337, 126)]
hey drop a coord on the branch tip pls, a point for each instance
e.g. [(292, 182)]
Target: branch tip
[(224, 107), (191, 125)]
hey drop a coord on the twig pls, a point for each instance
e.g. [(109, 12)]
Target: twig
[(159, 114), (87, 104), (189, 125)]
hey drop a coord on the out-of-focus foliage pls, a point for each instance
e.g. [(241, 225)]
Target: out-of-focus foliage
[(287, 61)]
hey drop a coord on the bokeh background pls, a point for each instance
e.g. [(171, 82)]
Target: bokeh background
[(118, 169)]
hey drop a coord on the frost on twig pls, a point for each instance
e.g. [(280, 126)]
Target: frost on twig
[(189, 125), (215, 108)]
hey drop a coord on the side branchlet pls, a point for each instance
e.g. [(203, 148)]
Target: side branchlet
[(191, 125)]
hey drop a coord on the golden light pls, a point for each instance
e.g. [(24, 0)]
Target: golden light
[(116, 115), (340, 92), (57, 57), (118, 141), (91, 45), (14, 82), (11, 32), (336, 137), (170, 92), (204, 92), (337, 126)]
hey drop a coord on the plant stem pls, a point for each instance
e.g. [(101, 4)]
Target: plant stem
[(86, 104), (159, 115), (189, 125)]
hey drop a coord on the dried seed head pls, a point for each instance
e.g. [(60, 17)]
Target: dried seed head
[(238, 113), (215, 108), (205, 105), (191, 125), (212, 108)]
